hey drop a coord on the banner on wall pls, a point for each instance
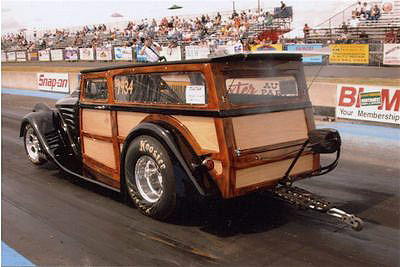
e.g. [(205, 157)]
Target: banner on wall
[(56, 55), (349, 53), (391, 54), (266, 47), (71, 54), (54, 82), (171, 54), (11, 56), (123, 53), (86, 53), (33, 56), (368, 103), (21, 56), (3, 57), (139, 57), (306, 47), (196, 51), (103, 53), (44, 55)]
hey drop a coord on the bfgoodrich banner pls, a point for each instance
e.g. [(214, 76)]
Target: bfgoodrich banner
[(55, 82), (368, 103), (391, 54)]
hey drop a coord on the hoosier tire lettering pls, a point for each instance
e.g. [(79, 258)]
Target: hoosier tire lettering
[(150, 177)]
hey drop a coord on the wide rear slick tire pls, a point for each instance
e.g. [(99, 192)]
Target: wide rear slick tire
[(150, 178)]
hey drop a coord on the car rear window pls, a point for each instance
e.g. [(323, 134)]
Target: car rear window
[(255, 90), (169, 88)]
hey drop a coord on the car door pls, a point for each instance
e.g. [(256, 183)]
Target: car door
[(98, 151)]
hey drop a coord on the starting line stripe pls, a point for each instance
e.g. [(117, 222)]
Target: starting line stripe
[(10, 257), (33, 93)]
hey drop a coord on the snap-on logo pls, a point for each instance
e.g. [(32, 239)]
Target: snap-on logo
[(146, 147)]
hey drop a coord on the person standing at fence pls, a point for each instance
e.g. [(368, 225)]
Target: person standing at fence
[(151, 50)]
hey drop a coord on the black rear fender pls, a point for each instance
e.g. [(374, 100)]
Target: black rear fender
[(168, 138)]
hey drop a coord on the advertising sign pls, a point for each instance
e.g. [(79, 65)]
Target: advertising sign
[(123, 53), (349, 53), (21, 56), (3, 57), (33, 56), (56, 55), (196, 51), (306, 47), (391, 54), (139, 57), (71, 54), (44, 55), (11, 56), (54, 82), (86, 53), (171, 54), (103, 53), (368, 103), (267, 47)]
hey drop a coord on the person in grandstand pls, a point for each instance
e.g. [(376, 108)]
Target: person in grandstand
[(354, 22), (357, 11), (375, 13), (306, 31), (151, 50), (366, 10)]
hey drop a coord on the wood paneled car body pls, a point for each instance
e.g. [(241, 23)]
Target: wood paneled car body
[(221, 126)]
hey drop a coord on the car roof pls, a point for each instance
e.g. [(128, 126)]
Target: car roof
[(268, 55)]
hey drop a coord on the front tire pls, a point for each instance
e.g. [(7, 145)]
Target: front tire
[(150, 178), (33, 148)]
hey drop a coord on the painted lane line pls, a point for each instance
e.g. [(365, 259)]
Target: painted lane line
[(10, 257), (33, 93)]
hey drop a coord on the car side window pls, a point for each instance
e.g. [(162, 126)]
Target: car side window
[(96, 89), (167, 88)]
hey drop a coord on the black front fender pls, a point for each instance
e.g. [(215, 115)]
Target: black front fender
[(165, 137)]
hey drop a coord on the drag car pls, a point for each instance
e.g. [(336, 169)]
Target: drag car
[(161, 132)]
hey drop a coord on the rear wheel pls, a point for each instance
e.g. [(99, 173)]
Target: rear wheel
[(150, 178), (32, 145)]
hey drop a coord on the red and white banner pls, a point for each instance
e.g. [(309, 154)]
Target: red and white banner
[(368, 103), (391, 54), (55, 82)]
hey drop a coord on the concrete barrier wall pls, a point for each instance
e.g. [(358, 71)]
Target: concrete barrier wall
[(28, 80)]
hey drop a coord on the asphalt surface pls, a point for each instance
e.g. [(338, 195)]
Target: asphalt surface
[(333, 71), (53, 219)]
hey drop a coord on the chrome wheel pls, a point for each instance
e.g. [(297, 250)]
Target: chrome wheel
[(32, 145), (148, 179)]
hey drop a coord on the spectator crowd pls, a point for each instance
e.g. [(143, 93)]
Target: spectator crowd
[(204, 29)]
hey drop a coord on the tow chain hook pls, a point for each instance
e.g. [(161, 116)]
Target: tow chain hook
[(356, 223)]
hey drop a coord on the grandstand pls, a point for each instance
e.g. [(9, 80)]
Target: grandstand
[(222, 27), (367, 31)]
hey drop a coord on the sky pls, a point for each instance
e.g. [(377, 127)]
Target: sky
[(18, 14)]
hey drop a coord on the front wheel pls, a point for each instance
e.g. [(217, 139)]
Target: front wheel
[(32, 145), (150, 178)]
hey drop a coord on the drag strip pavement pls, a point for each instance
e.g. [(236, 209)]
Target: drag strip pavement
[(53, 219)]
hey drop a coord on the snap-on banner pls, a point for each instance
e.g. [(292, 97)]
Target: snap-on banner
[(368, 103), (54, 82)]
